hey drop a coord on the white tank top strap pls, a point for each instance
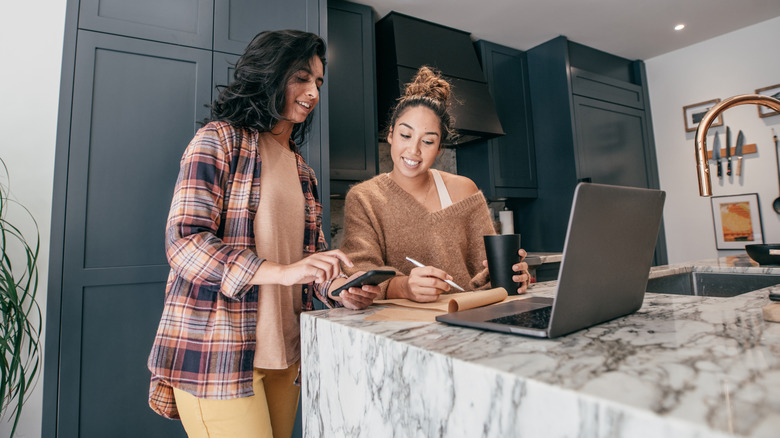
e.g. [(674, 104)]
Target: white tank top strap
[(444, 195)]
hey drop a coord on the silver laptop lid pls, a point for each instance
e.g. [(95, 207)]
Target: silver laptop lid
[(607, 255)]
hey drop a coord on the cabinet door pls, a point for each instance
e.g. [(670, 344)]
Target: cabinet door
[(587, 84), (514, 162), (236, 22), (504, 167), (351, 78), (135, 108), (611, 143), (183, 22), (224, 69)]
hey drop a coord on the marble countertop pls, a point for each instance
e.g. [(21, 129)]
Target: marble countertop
[(535, 259), (683, 366)]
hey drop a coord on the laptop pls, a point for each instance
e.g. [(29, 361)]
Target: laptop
[(610, 242)]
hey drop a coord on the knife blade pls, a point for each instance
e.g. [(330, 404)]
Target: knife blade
[(716, 154), (728, 150), (738, 152)]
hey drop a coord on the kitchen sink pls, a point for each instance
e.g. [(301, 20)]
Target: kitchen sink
[(711, 284)]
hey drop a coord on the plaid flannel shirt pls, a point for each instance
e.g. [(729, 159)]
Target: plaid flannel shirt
[(205, 342)]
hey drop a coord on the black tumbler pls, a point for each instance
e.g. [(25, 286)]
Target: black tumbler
[(502, 254)]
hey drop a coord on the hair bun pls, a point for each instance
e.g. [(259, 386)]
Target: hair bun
[(428, 83)]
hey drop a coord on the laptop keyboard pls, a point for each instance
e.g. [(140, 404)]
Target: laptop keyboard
[(537, 318)]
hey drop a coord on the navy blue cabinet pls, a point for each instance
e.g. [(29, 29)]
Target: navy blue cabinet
[(223, 69), (170, 21), (611, 141), (236, 22), (136, 104), (352, 79), (136, 81), (592, 123), (504, 167)]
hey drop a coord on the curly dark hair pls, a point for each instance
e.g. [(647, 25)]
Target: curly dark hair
[(430, 90), (255, 98)]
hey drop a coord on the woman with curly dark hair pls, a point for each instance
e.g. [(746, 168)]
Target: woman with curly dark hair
[(246, 261)]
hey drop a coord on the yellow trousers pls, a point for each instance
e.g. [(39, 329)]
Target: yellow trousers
[(269, 413)]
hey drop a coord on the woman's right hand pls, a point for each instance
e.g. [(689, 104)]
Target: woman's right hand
[(423, 284), (318, 267)]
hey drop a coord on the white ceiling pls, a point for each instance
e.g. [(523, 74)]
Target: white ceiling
[(633, 29)]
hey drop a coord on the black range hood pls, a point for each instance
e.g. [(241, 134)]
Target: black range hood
[(404, 44)]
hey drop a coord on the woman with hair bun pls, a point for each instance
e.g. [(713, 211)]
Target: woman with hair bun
[(434, 217)]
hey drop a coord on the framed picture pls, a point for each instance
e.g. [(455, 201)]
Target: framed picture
[(773, 91), (737, 221), (694, 113)]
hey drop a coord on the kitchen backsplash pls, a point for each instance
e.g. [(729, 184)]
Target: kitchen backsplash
[(446, 162)]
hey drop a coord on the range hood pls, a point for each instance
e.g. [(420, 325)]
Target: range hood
[(404, 44)]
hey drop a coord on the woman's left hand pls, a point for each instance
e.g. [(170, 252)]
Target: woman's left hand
[(357, 298), (523, 276)]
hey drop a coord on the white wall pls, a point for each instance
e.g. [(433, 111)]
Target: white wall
[(735, 63), (31, 38)]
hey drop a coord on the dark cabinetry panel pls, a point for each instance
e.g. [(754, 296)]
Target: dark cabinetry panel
[(611, 141), (604, 88), (183, 22), (113, 355), (591, 123), (135, 108), (351, 77), (236, 22), (131, 97), (223, 70), (601, 63), (504, 167), (136, 81)]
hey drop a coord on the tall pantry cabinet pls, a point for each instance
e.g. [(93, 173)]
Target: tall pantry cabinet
[(352, 77), (136, 79), (591, 123)]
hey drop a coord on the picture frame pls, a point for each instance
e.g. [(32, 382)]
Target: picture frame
[(771, 91), (694, 113), (737, 221)]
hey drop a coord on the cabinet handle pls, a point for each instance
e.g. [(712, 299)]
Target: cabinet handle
[(585, 180)]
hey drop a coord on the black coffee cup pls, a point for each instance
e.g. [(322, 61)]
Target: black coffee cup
[(502, 254)]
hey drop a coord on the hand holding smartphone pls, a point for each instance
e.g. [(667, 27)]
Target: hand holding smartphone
[(372, 277)]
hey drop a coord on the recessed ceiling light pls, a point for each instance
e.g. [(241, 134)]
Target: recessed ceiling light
[(679, 27)]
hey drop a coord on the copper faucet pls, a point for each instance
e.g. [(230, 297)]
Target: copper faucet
[(702, 167)]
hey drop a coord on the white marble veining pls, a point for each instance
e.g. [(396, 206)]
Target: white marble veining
[(682, 366)]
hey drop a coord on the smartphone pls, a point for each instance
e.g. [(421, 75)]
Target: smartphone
[(371, 277), (774, 296)]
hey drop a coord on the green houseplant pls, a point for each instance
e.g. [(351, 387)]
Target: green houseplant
[(21, 316)]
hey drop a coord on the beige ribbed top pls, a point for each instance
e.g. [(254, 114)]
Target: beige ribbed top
[(278, 238)]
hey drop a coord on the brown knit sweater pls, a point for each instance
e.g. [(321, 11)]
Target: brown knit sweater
[(383, 224)]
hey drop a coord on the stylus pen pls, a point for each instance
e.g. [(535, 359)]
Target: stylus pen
[(451, 283)]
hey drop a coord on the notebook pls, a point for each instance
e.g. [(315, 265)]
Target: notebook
[(603, 275)]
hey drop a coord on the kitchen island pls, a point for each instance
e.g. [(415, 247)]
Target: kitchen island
[(682, 366)]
